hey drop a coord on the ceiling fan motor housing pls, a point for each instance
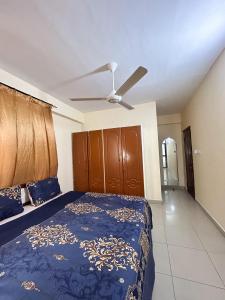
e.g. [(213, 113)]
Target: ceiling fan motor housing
[(112, 66), (114, 99)]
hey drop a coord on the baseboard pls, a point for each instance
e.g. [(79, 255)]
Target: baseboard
[(218, 225)]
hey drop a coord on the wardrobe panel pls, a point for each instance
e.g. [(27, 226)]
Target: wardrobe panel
[(95, 155), (80, 161), (132, 161), (113, 161)]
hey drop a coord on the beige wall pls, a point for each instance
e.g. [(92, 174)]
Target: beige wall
[(205, 113), (170, 126), (144, 115), (63, 124)]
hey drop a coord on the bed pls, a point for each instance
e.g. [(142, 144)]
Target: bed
[(79, 246)]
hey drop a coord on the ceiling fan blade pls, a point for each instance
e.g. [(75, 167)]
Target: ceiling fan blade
[(86, 99), (126, 105), (132, 80)]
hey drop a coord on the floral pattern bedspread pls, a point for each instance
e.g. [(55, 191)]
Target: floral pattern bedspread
[(97, 247)]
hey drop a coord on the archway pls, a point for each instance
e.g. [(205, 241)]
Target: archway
[(169, 162)]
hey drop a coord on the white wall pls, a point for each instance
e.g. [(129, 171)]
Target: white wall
[(63, 130), (205, 113), (170, 126), (144, 115), (64, 118)]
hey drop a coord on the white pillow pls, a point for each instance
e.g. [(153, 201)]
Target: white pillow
[(24, 196)]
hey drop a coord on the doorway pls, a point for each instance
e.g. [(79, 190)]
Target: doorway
[(189, 161), (169, 163)]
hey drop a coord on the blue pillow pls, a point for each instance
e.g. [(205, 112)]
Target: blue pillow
[(10, 202), (43, 190)]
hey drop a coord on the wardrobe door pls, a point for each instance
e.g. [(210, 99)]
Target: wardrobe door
[(113, 161), (80, 161), (132, 161), (95, 155)]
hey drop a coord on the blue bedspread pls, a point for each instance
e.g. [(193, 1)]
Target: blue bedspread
[(97, 247)]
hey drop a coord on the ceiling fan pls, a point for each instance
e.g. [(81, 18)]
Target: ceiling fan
[(116, 95)]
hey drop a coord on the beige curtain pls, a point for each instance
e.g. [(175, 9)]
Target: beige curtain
[(27, 139)]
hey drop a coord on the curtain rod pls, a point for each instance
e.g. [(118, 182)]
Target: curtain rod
[(28, 94)]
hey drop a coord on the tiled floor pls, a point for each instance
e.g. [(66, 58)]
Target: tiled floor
[(189, 251)]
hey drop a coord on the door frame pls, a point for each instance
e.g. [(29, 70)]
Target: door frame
[(190, 187)]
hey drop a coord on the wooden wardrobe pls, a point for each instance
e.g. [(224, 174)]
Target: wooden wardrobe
[(109, 161)]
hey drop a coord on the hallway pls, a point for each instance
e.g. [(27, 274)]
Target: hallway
[(168, 178), (189, 251)]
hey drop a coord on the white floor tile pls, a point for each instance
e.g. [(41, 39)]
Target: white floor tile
[(178, 219), (193, 265), (163, 288), (188, 290), (212, 239), (157, 215), (157, 208), (191, 237), (157, 221), (182, 236), (158, 234), (161, 257), (218, 260)]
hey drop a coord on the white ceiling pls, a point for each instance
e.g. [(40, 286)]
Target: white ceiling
[(51, 43)]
